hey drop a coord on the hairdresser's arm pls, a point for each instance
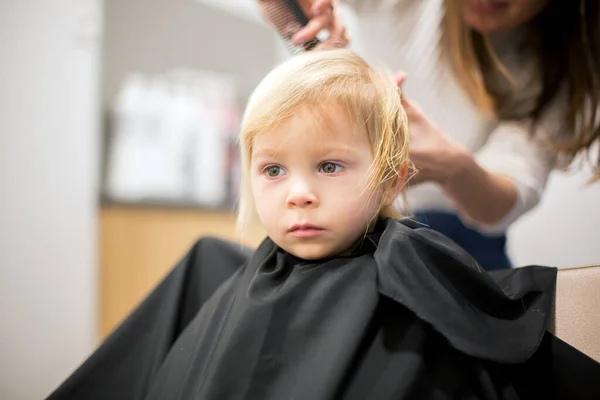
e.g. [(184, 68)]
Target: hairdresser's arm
[(481, 196), (490, 189), (526, 163)]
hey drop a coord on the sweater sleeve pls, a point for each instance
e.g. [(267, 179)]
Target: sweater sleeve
[(509, 151)]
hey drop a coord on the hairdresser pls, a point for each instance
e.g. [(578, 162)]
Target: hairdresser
[(496, 91)]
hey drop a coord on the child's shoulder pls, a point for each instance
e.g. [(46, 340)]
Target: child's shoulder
[(478, 312), (405, 233)]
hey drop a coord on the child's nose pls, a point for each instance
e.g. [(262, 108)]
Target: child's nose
[(301, 196)]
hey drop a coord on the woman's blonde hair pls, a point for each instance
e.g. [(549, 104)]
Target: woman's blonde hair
[(327, 82), (566, 35)]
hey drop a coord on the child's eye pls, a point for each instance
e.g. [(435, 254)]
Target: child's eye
[(273, 171), (330, 168)]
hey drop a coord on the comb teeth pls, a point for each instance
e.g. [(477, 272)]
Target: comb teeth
[(287, 18)]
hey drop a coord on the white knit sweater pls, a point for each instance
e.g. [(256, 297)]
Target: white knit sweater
[(405, 35)]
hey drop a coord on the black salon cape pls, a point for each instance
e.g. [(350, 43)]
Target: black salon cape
[(408, 315)]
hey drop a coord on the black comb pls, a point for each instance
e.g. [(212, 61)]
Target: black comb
[(288, 18)]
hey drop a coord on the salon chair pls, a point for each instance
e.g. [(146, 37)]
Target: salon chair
[(576, 315)]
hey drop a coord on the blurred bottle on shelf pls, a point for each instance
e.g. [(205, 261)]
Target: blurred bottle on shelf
[(174, 139)]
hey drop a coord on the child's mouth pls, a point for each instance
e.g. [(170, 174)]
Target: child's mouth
[(305, 230)]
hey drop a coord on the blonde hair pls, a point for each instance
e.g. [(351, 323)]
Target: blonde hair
[(325, 82), (460, 47), (567, 59)]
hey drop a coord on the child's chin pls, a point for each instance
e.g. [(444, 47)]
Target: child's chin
[(310, 252)]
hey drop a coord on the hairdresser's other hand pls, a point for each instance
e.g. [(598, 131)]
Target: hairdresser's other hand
[(435, 155)]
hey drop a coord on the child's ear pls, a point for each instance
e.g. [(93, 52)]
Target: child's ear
[(396, 186)]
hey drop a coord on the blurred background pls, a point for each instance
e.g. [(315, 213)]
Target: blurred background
[(117, 150)]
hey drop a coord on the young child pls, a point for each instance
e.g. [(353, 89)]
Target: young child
[(341, 300), (324, 146)]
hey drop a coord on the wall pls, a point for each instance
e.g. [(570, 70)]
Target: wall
[(246, 9), (564, 230), (152, 36), (48, 178)]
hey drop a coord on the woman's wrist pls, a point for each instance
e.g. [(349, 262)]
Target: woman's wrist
[(456, 163), (479, 195)]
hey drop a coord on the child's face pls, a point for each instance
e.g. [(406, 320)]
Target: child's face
[(308, 182)]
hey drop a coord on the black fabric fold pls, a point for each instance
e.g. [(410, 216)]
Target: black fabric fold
[(502, 319), (407, 315), (125, 365)]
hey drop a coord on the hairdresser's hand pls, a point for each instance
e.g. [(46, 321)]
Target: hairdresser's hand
[(321, 15), (435, 155)]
